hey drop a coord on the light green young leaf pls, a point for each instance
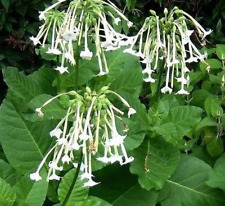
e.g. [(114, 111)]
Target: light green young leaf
[(220, 51), (137, 196), (30, 192), (7, 195), (178, 123), (216, 177), (24, 143), (77, 192), (214, 63), (22, 86), (187, 185), (154, 162)]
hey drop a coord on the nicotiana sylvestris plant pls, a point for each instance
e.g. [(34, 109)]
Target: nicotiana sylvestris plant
[(83, 21), (169, 39), (89, 123)]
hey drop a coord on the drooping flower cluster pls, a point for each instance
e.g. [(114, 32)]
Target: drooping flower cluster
[(89, 126), (169, 39), (83, 21)]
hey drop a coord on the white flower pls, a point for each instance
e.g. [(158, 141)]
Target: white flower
[(62, 69), (182, 91), (90, 183), (103, 159), (129, 24), (42, 16), (127, 160), (115, 158), (54, 166), (70, 35), (131, 111), (166, 89), (116, 20), (40, 113), (53, 51), (56, 133), (35, 176), (62, 141), (86, 54), (54, 177), (86, 175), (35, 40), (66, 159), (182, 80)]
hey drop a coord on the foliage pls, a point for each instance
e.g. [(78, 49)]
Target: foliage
[(173, 144)]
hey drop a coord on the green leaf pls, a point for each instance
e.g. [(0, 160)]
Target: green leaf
[(31, 193), (22, 86), (212, 106), (207, 122), (187, 185), (6, 4), (215, 146), (24, 143), (8, 173), (7, 195), (91, 201), (154, 162), (178, 123), (78, 192), (214, 63), (220, 51), (137, 196), (54, 110), (216, 177)]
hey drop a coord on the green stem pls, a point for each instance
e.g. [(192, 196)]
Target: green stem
[(77, 58), (160, 77), (73, 182)]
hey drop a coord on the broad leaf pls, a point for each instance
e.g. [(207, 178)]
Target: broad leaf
[(220, 51), (8, 173), (30, 192), (187, 186), (76, 192), (22, 86), (154, 162), (216, 177), (7, 195), (178, 123), (137, 196), (24, 143)]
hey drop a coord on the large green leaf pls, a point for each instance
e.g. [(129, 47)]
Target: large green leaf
[(137, 196), (24, 143), (8, 173), (77, 192), (178, 123), (31, 193), (23, 86), (154, 162), (187, 186), (217, 177), (7, 195)]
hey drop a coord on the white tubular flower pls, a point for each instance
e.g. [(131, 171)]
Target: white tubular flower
[(93, 125)]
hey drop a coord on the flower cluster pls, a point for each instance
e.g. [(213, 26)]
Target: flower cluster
[(83, 21), (169, 39), (90, 128)]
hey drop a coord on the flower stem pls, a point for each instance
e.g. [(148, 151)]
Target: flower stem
[(73, 181), (77, 58)]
